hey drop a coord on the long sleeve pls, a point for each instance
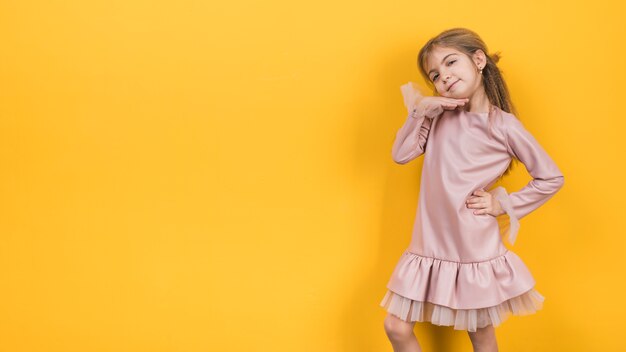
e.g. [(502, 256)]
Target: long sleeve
[(411, 138), (547, 178)]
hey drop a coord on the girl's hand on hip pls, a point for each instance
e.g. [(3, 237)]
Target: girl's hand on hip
[(432, 107), (485, 203)]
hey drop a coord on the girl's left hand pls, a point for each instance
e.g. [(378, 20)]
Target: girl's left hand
[(485, 202)]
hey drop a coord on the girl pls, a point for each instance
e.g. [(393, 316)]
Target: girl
[(456, 270)]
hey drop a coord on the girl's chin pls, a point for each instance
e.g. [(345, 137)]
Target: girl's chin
[(455, 95)]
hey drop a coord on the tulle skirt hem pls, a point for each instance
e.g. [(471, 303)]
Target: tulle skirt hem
[(461, 319)]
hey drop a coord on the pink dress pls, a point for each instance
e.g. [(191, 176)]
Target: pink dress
[(456, 270)]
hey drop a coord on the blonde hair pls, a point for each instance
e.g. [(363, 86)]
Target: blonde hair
[(467, 42)]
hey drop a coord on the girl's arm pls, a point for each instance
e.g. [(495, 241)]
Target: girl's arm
[(547, 178), (411, 138)]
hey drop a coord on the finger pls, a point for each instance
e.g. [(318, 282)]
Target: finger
[(480, 205), (476, 194), (455, 103), (472, 200), (457, 100)]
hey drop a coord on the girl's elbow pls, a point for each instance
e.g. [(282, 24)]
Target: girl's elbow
[(557, 183), (403, 159), (561, 181), (399, 160)]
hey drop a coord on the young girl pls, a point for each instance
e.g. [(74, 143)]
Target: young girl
[(456, 270)]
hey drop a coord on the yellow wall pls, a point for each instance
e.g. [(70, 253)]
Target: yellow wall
[(202, 176)]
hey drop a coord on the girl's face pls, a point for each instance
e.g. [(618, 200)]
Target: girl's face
[(454, 74)]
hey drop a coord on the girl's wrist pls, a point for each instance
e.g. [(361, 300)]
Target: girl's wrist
[(499, 210), (416, 112)]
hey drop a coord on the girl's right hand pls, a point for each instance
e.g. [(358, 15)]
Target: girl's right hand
[(432, 107)]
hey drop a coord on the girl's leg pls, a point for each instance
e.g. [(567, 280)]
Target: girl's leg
[(484, 339), (401, 335)]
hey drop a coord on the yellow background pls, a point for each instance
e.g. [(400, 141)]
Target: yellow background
[(217, 176)]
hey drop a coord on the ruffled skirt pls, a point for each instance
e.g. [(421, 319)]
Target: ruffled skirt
[(466, 295), (462, 319)]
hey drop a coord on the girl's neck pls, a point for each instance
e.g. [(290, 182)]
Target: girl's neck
[(478, 103)]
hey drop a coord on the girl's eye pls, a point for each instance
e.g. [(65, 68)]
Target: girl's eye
[(449, 63)]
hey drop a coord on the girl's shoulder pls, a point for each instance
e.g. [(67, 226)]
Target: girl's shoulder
[(504, 125), (506, 120), (515, 133)]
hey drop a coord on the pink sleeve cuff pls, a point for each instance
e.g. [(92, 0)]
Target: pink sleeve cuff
[(512, 226), (411, 94)]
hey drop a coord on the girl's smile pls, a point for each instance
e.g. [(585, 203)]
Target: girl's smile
[(452, 85)]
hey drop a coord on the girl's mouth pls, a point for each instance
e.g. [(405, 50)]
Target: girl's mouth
[(452, 85)]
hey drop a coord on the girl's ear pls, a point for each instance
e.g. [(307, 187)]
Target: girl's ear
[(479, 57)]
